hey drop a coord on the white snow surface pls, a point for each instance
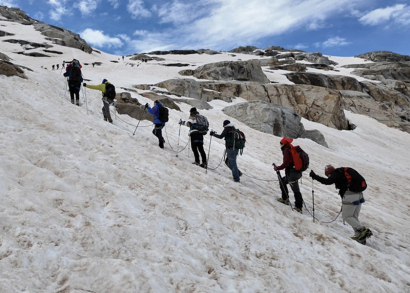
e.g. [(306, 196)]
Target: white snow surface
[(86, 206)]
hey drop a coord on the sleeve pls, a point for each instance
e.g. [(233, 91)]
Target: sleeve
[(287, 159), (327, 181), (223, 134), (100, 87)]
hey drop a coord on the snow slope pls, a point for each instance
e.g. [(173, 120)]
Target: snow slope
[(89, 207)]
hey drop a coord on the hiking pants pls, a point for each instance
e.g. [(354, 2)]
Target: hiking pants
[(231, 162), (198, 148), (292, 179), (158, 133), (106, 110), (350, 212), (74, 93)]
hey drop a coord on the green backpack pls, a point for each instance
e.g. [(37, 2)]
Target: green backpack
[(237, 139)]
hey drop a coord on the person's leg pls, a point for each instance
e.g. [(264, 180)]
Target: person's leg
[(232, 154), (106, 111), (158, 133), (294, 176), (202, 152), (194, 146), (350, 212), (72, 95), (77, 96)]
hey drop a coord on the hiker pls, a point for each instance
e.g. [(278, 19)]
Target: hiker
[(197, 138), (75, 78), (291, 176), (107, 100), (351, 194), (52, 67), (231, 151), (158, 124)]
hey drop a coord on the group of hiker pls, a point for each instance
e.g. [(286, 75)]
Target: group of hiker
[(349, 182)]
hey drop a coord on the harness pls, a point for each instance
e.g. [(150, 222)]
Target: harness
[(356, 202)]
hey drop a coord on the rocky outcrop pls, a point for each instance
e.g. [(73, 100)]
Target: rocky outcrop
[(10, 69), (55, 34), (4, 57), (384, 56), (272, 119), (336, 82), (383, 71), (231, 70)]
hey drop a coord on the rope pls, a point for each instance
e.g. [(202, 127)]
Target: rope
[(166, 134), (324, 222)]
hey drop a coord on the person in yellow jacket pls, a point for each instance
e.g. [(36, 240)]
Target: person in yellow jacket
[(106, 101)]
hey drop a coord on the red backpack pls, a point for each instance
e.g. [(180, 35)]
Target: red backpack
[(300, 158)]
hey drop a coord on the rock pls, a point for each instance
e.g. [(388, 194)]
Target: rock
[(383, 71), (384, 56), (125, 104), (337, 82), (10, 69)]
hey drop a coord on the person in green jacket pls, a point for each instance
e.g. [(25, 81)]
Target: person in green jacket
[(107, 102)]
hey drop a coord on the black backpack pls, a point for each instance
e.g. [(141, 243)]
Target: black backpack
[(355, 181), (163, 114), (236, 138), (202, 124), (109, 91), (75, 75)]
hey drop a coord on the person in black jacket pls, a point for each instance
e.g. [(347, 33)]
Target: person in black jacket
[(351, 200), (291, 176), (197, 138), (231, 152)]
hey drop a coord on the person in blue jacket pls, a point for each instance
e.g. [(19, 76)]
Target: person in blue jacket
[(158, 124)]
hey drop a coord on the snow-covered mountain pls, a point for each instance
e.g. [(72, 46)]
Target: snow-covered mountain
[(89, 207)]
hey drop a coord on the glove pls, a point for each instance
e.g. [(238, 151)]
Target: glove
[(146, 106), (274, 167), (84, 84), (212, 133), (181, 122), (312, 174)]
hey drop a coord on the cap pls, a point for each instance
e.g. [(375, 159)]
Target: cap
[(104, 80), (329, 169), (193, 111), (156, 102), (226, 122), (286, 140)]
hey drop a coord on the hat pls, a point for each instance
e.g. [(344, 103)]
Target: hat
[(286, 140), (156, 102), (104, 81), (193, 111), (329, 169), (226, 122)]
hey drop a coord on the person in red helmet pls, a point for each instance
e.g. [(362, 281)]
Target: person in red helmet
[(351, 186), (291, 176)]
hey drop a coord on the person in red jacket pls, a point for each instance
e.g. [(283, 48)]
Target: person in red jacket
[(291, 176)]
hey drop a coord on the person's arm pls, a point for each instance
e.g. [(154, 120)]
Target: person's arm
[(100, 87), (287, 160), (223, 134), (326, 181)]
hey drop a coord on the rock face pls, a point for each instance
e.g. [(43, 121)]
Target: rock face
[(272, 119), (9, 69), (336, 82), (56, 34), (384, 56), (231, 70)]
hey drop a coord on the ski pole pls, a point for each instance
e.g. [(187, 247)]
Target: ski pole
[(179, 134), (313, 200), (209, 151)]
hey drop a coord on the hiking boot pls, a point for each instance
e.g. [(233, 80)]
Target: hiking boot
[(161, 145), (298, 210), (361, 241), (240, 174), (72, 101), (105, 119), (284, 201), (364, 233), (237, 181), (77, 103), (111, 121), (203, 165)]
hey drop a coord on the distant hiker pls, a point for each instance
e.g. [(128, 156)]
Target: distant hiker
[(196, 132), (52, 67), (75, 78), (158, 123), (63, 65), (351, 186), (123, 58), (108, 95), (57, 65), (291, 176), (231, 151)]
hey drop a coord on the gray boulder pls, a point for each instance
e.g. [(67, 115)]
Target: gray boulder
[(336, 82), (384, 56), (10, 69)]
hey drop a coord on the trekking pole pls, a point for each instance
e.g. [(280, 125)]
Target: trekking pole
[(85, 98), (207, 160), (179, 134), (313, 200), (138, 122)]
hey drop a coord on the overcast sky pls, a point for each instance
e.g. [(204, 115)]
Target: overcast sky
[(333, 27)]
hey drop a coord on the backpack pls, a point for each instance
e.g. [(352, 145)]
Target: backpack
[(202, 124), (300, 158), (163, 114), (109, 91), (237, 139), (75, 75), (355, 181)]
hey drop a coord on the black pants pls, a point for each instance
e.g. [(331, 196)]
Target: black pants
[(74, 89), (292, 179), (106, 110), (198, 148), (158, 133)]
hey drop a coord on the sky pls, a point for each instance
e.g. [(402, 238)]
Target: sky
[(89, 206), (333, 27)]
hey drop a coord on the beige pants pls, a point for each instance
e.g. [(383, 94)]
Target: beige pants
[(350, 212)]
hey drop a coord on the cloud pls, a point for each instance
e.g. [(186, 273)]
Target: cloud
[(399, 13), (58, 9), (87, 7), (97, 38), (137, 10), (333, 42), (115, 3), (178, 12), (9, 3), (299, 46)]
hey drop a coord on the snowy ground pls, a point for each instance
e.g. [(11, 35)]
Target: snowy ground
[(89, 207)]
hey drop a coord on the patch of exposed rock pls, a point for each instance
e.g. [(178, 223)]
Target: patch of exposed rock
[(231, 70), (383, 71), (10, 69), (384, 56), (336, 82), (272, 119)]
